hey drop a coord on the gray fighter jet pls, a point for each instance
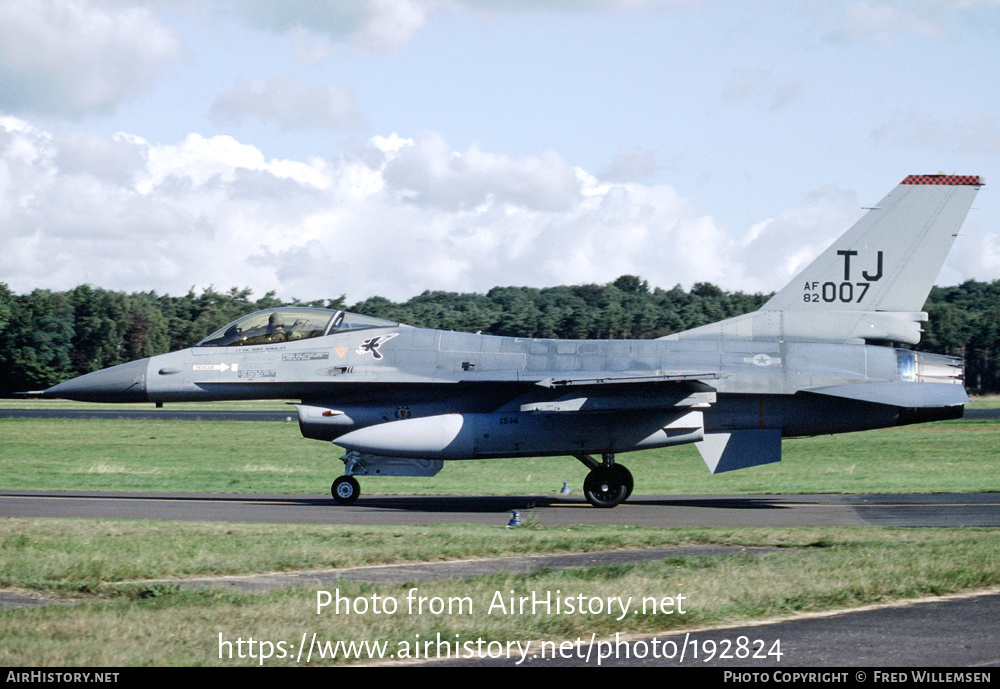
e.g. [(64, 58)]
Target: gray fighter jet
[(815, 359)]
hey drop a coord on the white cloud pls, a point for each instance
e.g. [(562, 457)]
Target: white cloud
[(117, 159), (882, 21), (429, 172), (73, 58), (879, 21), (309, 48), (631, 164), (392, 23), (201, 160), (372, 24), (287, 101), (974, 257), (773, 251), (381, 25), (396, 218)]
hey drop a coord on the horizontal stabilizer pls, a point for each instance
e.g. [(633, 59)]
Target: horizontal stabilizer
[(901, 393), (740, 449)]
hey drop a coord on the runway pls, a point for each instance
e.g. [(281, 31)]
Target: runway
[(907, 510), (957, 633)]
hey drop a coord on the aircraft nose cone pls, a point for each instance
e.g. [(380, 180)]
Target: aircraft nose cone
[(124, 383)]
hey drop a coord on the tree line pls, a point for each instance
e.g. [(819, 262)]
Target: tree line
[(47, 337)]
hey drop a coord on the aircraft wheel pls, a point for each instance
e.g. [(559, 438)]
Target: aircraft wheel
[(345, 490), (625, 476), (604, 487)]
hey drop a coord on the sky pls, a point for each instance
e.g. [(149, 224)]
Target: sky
[(387, 147)]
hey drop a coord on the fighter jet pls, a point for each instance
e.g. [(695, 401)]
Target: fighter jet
[(819, 357)]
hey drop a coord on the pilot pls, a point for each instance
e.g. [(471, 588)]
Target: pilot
[(276, 327)]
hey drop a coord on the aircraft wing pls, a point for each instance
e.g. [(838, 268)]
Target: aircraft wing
[(657, 377), (627, 392)]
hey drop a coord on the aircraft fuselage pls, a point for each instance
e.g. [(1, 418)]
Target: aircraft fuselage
[(549, 395)]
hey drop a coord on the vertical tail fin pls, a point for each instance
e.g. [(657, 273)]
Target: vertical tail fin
[(889, 259), (872, 282)]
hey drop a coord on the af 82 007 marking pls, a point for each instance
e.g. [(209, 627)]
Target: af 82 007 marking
[(832, 291)]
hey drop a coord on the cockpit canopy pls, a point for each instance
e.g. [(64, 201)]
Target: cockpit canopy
[(289, 323)]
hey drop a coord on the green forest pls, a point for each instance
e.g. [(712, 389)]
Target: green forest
[(47, 337)]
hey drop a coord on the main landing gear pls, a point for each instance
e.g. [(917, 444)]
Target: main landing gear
[(345, 490), (608, 484)]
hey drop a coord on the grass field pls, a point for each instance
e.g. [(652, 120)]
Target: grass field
[(272, 457), (121, 619), (131, 624)]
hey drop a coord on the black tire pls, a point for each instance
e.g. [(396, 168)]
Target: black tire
[(345, 490), (625, 476), (604, 487)]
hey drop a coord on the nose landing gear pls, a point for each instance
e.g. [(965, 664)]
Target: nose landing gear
[(345, 490)]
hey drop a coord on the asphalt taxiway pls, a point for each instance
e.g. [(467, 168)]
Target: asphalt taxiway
[(914, 510), (958, 633)]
